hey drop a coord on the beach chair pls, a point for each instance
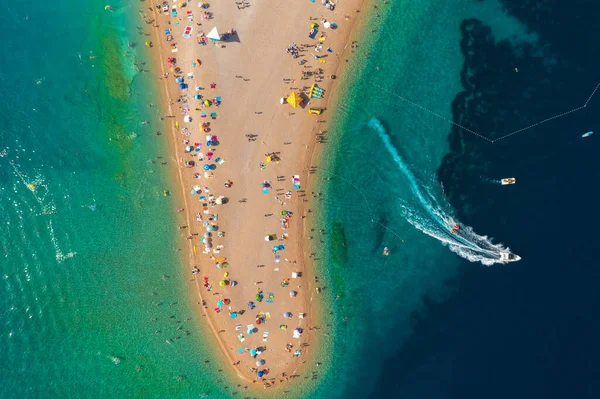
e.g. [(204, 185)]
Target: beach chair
[(213, 115), (221, 162), (241, 338), (265, 336)]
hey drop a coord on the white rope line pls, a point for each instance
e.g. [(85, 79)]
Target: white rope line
[(539, 123), (591, 95), (480, 135), (366, 201), (433, 113)]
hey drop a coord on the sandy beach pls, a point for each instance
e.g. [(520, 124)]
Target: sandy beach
[(246, 221)]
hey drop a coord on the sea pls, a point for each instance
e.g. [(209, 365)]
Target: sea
[(444, 100), (440, 101), (91, 281)]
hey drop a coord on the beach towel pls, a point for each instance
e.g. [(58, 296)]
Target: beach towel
[(213, 115), (296, 180), (221, 162)]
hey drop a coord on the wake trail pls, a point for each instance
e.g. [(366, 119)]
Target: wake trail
[(436, 219)]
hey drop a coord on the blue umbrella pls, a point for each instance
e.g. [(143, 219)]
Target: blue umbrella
[(179, 79), (206, 166), (233, 315), (260, 373), (253, 352), (213, 167), (209, 143)]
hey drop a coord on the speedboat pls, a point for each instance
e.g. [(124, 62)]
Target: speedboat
[(509, 257), (588, 134), (508, 180)]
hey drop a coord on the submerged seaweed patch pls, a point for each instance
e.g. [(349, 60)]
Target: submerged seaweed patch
[(339, 257)]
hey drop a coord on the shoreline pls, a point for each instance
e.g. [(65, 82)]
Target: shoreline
[(312, 154)]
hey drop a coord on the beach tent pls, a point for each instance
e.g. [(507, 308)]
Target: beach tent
[(214, 34), (294, 99)]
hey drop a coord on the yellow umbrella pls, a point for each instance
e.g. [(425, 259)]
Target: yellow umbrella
[(294, 99)]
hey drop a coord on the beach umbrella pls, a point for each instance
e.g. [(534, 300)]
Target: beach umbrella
[(220, 304), (179, 79), (233, 315), (187, 118), (207, 103), (213, 167), (294, 99), (222, 283), (252, 352), (208, 245), (226, 300), (189, 148), (234, 283), (241, 350), (293, 293), (260, 373), (219, 201), (207, 234), (287, 315), (210, 228), (313, 25), (214, 35), (206, 166), (260, 362), (327, 25), (182, 86)]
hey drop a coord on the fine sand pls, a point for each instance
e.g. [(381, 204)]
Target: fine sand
[(250, 71)]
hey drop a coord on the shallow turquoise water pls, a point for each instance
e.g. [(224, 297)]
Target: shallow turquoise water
[(80, 287)]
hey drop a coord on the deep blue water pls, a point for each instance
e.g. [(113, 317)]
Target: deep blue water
[(526, 329)]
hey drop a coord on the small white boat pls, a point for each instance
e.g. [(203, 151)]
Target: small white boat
[(509, 257), (508, 180), (588, 134)]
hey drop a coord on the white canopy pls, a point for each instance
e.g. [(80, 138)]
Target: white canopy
[(214, 34)]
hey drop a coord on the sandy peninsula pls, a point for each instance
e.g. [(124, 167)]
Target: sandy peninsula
[(244, 170)]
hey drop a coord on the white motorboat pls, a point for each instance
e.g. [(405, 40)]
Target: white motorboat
[(508, 180), (509, 257)]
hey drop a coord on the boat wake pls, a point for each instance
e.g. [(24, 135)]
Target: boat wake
[(491, 181), (436, 218)]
